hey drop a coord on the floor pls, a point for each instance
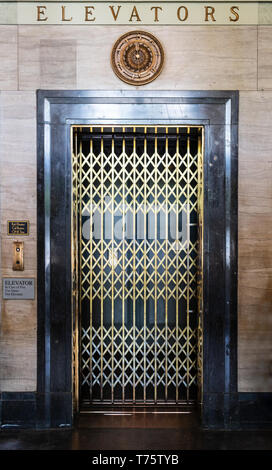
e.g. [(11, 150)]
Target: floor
[(135, 430)]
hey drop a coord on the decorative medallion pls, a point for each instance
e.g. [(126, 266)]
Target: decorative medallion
[(137, 58)]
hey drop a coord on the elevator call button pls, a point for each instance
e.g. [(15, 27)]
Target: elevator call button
[(18, 256)]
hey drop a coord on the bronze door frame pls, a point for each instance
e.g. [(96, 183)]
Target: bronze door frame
[(218, 113)]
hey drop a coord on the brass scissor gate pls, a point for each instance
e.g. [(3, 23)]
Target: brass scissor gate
[(137, 219)]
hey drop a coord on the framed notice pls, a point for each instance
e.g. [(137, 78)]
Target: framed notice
[(18, 288), (18, 227)]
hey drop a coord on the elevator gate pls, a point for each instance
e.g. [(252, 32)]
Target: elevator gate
[(137, 226)]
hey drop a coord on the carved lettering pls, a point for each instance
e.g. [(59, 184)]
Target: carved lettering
[(156, 17), (182, 16), (41, 13), (209, 13), (63, 15), (115, 14), (89, 13), (134, 14), (235, 13)]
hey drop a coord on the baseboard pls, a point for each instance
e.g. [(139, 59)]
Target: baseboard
[(255, 410), (18, 410), (34, 410)]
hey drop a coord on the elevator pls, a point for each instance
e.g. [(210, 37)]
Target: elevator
[(137, 263), (137, 243)]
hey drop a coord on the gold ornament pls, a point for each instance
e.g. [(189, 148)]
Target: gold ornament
[(137, 57)]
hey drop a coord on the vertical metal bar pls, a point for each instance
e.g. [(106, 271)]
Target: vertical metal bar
[(75, 269), (47, 279), (145, 236), (91, 260), (123, 262), (188, 266), (102, 262), (112, 269), (202, 248), (177, 263), (166, 266), (156, 262), (200, 263), (80, 248), (134, 263)]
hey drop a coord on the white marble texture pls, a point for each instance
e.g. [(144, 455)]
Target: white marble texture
[(8, 58), (211, 57), (265, 57), (255, 242), (18, 202), (78, 57)]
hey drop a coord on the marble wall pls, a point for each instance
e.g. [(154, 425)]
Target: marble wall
[(78, 57)]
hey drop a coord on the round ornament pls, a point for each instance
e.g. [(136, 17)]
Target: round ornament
[(137, 57)]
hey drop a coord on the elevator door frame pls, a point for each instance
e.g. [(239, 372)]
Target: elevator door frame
[(217, 111), (139, 373)]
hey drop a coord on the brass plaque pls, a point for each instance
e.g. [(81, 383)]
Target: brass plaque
[(18, 256), (137, 58), (18, 227)]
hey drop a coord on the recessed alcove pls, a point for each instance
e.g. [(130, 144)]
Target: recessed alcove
[(217, 114)]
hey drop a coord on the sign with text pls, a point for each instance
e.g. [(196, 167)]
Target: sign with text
[(131, 13), (18, 227), (18, 288)]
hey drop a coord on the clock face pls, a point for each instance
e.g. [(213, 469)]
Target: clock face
[(137, 58)]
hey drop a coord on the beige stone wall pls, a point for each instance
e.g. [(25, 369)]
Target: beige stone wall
[(77, 57)]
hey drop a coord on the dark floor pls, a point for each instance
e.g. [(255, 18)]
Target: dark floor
[(140, 430)]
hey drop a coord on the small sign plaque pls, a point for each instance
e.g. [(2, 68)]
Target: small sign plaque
[(18, 288), (18, 227)]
